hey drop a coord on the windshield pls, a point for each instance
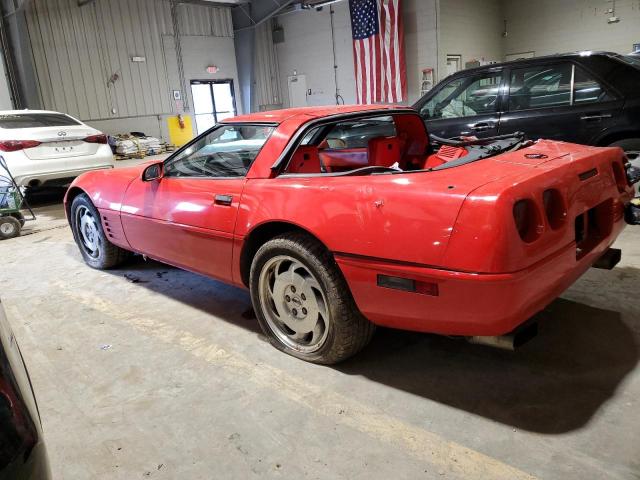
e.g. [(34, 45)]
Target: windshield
[(226, 151), (35, 120)]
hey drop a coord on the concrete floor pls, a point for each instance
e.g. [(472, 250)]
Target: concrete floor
[(152, 372)]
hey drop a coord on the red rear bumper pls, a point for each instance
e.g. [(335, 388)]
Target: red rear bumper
[(467, 303)]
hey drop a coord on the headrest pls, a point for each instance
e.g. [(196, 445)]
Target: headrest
[(305, 160), (384, 151)]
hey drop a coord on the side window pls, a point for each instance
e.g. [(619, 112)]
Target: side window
[(227, 151), (587, 90), (465, 97), (348, 145), (540, 86), (429, 109), (356, 134)]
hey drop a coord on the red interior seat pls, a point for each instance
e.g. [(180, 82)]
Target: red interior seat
[(384, 151), (305, 160)]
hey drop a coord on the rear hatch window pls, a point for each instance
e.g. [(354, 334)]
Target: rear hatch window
[(36, 120)]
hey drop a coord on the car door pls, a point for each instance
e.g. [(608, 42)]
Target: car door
[(187, 217), (466, 105), (560, 101)]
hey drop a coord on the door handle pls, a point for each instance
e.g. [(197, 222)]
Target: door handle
[(596, 117), (223, 200), (482, 126)]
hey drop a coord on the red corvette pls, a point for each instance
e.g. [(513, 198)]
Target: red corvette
[(342, 218)]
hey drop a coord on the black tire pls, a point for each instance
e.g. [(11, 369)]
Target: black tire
[(20, 217), (106, 254), (9, 227), (347, 330), (631, 145)]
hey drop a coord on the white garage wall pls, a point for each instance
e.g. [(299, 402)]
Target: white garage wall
[(77, 49), (470, 28), (552, 26), (420, 42), (308, 50)]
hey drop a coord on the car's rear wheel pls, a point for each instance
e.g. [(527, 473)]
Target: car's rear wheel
[(9, 227), (303, 303), (97, 251)]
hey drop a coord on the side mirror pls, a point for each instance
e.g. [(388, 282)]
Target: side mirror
[(153, 172)]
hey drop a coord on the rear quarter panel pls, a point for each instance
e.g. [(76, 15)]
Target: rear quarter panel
[(401, 217)]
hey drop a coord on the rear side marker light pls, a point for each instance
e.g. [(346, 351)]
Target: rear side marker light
[(408, 285), (588, 174), (15, 145), (527, 220), (554, 208), (101, 138)]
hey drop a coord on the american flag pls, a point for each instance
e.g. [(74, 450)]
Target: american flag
[(378, 51)]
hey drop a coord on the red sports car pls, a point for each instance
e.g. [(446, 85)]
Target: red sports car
[(338, 219)]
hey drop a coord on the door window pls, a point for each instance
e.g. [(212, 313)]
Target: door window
[(465, 97), (540, 86), (213, 101), (550, 86), (587, 90), (350, 133), (227, 151)]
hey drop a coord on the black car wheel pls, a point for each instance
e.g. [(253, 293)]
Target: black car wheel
[(303, 303), (97, 251)]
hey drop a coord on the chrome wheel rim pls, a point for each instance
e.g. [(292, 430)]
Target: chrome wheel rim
[(88, 231), (294, 304), (7, 228)]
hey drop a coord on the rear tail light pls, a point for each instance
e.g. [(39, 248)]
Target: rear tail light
[(554, 208), (15, 145), (100, 138), (527, 220)]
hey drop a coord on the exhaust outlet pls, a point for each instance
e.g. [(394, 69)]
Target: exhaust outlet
[(609, 259), (510, 341)]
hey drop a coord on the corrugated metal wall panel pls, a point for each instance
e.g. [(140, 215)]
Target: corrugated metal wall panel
[(267, 76), (202, 20), (76, 50)]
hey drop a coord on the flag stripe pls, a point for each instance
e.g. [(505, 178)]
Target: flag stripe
[(378, 50), (356, 57)]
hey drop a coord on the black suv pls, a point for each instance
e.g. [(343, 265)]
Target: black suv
[(591, 98)]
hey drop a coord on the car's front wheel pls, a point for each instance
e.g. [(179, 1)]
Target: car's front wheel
[(97, 251), (303, 303)]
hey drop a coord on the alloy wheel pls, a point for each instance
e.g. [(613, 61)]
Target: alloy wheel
[(294, 304)]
